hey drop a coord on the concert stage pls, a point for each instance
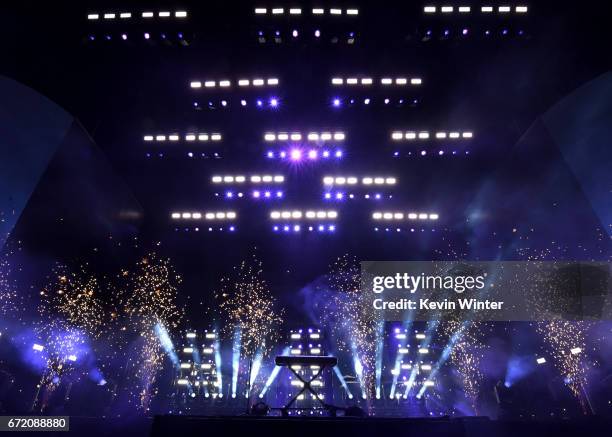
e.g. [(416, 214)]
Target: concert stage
[(370, 426)]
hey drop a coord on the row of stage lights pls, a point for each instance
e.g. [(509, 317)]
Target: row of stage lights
[(272, 102), (226, 83), (425, 135), (298, 136), (430, 9), (401, 81), (352, 180), (311, 136), (255, 194), (253, 179), (295, 33), (315, 11), (403, 216), (129, 15), (338, 102), (186, 137), (298, 228), (297, 155)]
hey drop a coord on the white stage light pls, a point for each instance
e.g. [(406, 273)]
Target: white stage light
[(190, 137), (275, 215), (187, 350), (423, 216), (541, 360), (410, 135), (277, 11), (38, 347), (467, 134), (164, 14), (367, 181), (210, 84), (261, 11), (318, 11), (326, 136), (255, 179), (423, 350), (377, 215), (423, 135), (396, 136), (446, 9), (176, 215), (295, 11), (196, 215), (440, 134), (454, 135), (433, 216), (429, 9), (295, 136), (398, 216), (486, 9), (93, 16), (425, 366), (390, 181), (147, 15), (352, 81), (428, 383), (351, 180), (504, 9), (335, 11), (148, 137), (313, 136), (215, 137), (269, 137), (243, 82), (272, 81), (412, 216), (180, 14), (328, 180), (521, 9), (366, 81), (337, 81), (401, 81), (352, 12), (224, 83), (464, 9), (109, 16), (575, 350), (160, 138), (125, 15), (416, 81), (173, 137), (258, 82), (203, 137), (217, 179), (182, 382)]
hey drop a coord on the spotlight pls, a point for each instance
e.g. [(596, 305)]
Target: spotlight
[(243, 102), (273, 102), (317, 33), (336, 102), (296, 155), (366, 101), (294, 33)]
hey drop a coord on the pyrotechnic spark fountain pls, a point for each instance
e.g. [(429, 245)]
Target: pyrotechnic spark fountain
[(149, 299), (351, 319)]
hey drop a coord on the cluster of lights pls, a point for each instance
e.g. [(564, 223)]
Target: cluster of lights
[(297, 154), (468, 9), (340, 195), (255, 194), (128, 15), (370, 81), (298, 228), (299, 215), (352, 180), (403, 216), (298, 136), (253, 179), (226, 83), (312, 334), (298, 11), (426, 135), (146, 35), (367, 101), (190, 137), (219, 215), (440, 152), (272, 102)]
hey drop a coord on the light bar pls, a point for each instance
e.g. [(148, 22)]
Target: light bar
[(191, 335), (299, 214), (298, 136), (253, 179), (424, 135), (126, 15), (182, 382), (242, 82), (337, 80), (190, 137), (541, 360), (352, 180), (388, 215), (447, 9), (220, 215)]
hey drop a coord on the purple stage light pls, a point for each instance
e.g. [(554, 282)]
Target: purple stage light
[(91, 37), (283, 155), (267, 194), (321, 228), (190, 154), (259, 103), (124, 36), (377, 196), (423, 152), (336, 102), (396, 154), (231, 228), (286, 228), (275, 228), (223, 103), (256, 194), (464, 32), (270, 154), (386, 101), (279, 194), (366, 101), (243, 102), (325, 153), (441, 152), (296, 228), (312, 154), (146, 35), (328, 195), (180, 35), (273, 102), (339, 196), (317, 33), (294, 33), (339, 154), (277, 33), (229, 194), (296, 155), (331, 228)]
